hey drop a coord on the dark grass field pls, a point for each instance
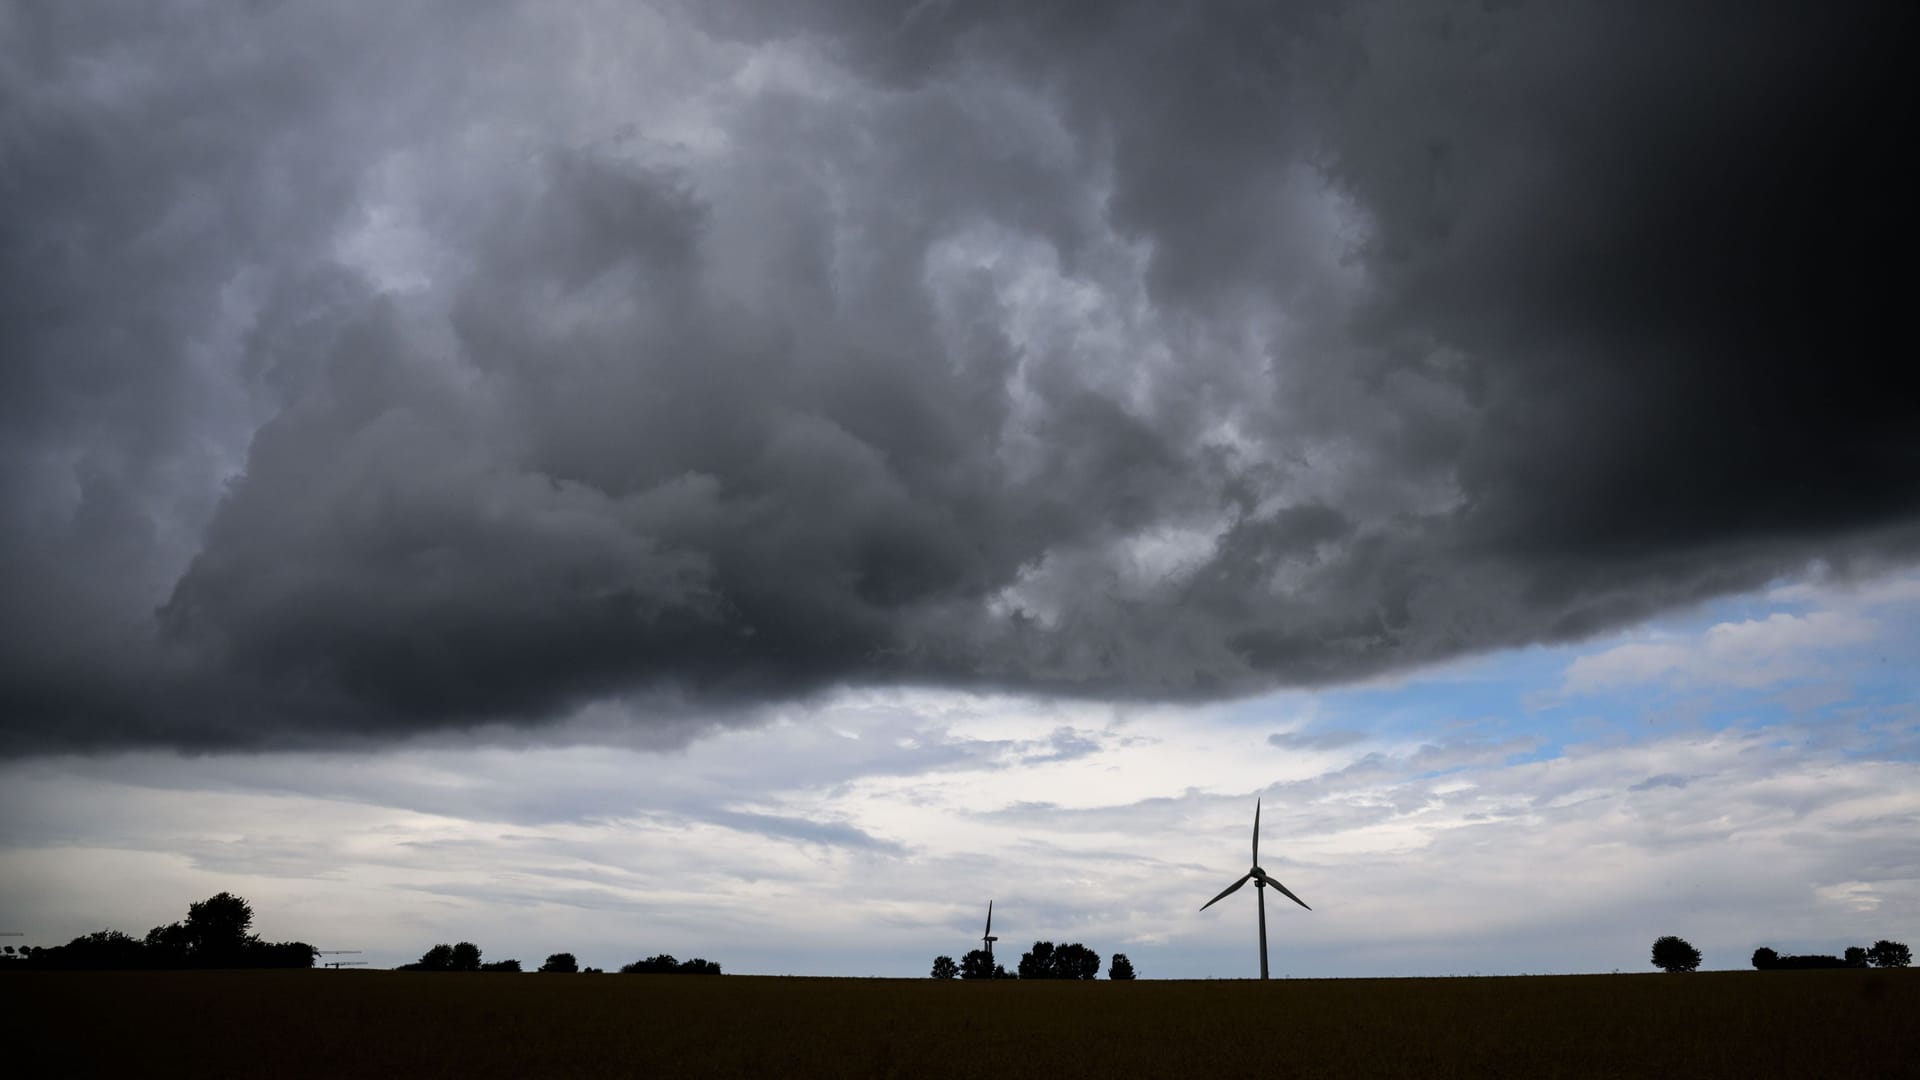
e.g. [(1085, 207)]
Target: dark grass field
[(335, 1023)]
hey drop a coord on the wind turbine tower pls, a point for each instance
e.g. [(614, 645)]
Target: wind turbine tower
[(1260, 882)]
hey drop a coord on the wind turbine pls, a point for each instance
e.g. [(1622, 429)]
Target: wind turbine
[(1260, 883), (987, 937)]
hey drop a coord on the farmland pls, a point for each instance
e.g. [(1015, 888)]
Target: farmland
[(1854, 1022)]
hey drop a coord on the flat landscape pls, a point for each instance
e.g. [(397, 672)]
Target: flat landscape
[(333, 1023)]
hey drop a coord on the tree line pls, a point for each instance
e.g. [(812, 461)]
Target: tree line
[(1673, 954), (1883, 954), (217, 933), (465, 956), (1043, 961)]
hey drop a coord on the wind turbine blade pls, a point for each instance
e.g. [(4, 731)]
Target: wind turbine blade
[(1230, 890), (1256, 832), (1289, 893), (989, 919)]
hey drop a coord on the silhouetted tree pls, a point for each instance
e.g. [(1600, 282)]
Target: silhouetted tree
[(1889, 954), (170, 945), (944, 967), (1075, 961), (1856, 956), (1037, 963), (1045, 961), (216, 929), (976, 965), (512, 966), (1672, 954), (1765, 958), (1121, 969), (562, 963), (213, 935), (216, 934), (438, 958), (466, 957)]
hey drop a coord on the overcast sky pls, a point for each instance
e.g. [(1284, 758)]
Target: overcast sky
[(757, 480)]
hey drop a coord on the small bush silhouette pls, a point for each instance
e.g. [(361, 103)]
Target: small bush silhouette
[(562, 963), (1764, 958), (1672, 954), (945, 968), (1121, 969)]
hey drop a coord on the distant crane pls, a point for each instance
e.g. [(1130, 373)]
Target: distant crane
[(338, 964)]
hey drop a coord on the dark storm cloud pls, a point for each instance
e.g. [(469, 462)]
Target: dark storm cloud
[(367, 374)]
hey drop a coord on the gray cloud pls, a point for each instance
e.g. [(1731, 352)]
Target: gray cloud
[(828, 833), (1315, 740), (1672, 780), (368, 376)]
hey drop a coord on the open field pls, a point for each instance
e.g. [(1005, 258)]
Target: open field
[(335, 1023)]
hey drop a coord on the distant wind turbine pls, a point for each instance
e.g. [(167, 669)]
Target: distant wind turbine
[(1260, 883), (987, 937)]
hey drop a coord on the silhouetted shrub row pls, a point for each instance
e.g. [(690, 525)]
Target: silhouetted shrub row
[(667, 965), (1043, 961), (466, 957), (1884, 954), (214, 935)]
